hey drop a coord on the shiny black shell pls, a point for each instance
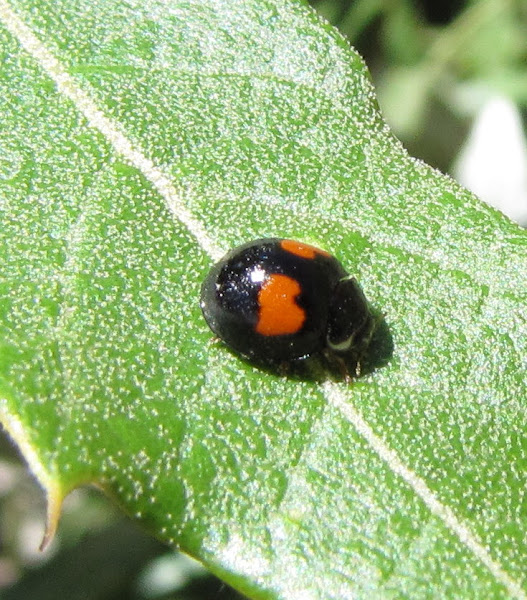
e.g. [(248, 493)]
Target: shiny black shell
[(335, 311)]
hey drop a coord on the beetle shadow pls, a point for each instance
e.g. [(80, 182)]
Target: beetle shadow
[(379, 351), (373, 354)]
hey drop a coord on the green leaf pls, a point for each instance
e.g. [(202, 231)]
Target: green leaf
[(142, 140)]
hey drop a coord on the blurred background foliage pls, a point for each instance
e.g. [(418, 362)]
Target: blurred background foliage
[(438, 68), (436, 64)]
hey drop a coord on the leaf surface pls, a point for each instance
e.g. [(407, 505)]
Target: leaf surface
[(142, 140)]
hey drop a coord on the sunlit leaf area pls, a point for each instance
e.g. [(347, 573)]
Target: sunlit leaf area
[(140, 457)]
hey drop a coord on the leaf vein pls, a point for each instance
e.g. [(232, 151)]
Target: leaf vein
[(460, 529)]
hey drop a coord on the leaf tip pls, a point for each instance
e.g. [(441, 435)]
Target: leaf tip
[(54, 498), (18, 432)]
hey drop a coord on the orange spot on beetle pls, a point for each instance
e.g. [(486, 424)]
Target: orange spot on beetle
[(303, 250), (279, 313)]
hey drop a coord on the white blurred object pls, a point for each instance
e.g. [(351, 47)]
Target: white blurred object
[(493, 161), (167, 574), (9, 476)]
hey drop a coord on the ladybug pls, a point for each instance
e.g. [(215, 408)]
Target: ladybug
[(278, 301)]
